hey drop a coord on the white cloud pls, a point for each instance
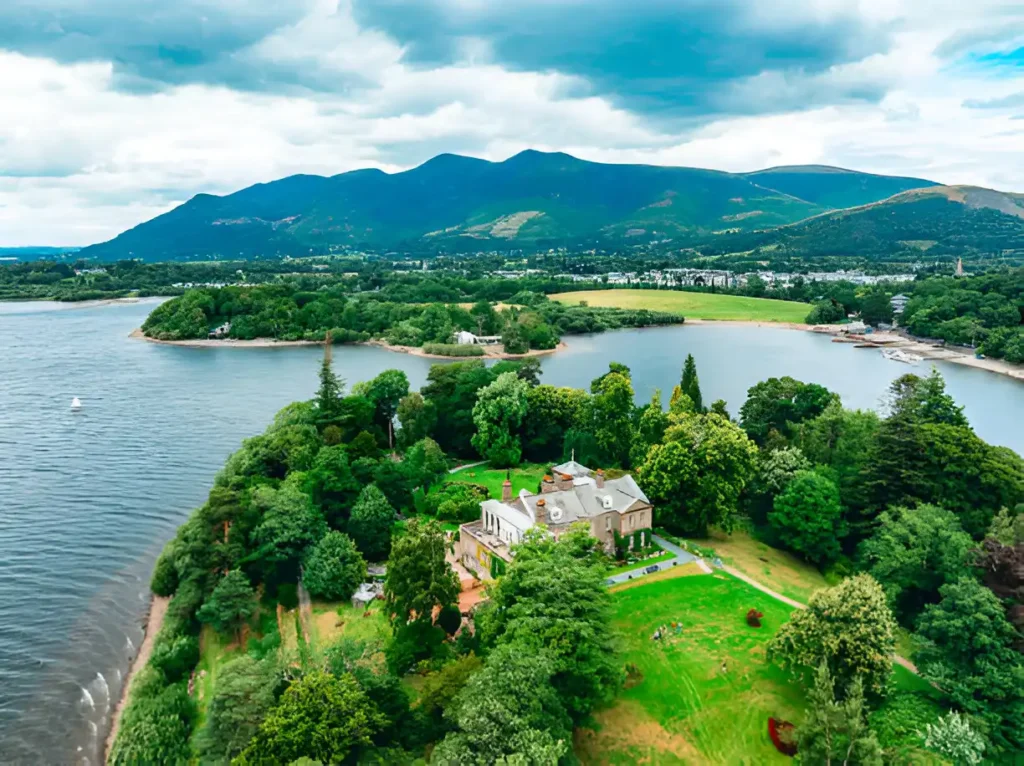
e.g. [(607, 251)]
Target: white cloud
[(82, 159)]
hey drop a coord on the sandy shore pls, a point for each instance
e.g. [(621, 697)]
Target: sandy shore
[(490, 352), (227, 342), (157, 610), (748, 323)]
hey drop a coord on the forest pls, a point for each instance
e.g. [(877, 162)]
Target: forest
[(530, 321), (917, 521)]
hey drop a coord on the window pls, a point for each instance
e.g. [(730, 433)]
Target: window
[(608, 523), (632, 520)]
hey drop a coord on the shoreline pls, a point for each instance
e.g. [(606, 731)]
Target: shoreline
[(499, 353), (951, 354), (154, 621)]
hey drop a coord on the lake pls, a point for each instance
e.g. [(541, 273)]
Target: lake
[(87, 499)]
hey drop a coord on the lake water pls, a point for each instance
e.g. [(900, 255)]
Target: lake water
[(87, 499)]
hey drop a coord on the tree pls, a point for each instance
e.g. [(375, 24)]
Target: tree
[(774, 470), (231, 604), (290, 524), (486, 318), (651, 425), (319, 716), (826, 312), (428, 462), (550, 601), (778, 403), (551, 413), (442, 686), (611, 416), (452, 391), (417, 417), (508, 713), (836, 731), (246, 689), (514, 339), (876, 308), (331, 485), (386, 392), (695, 478), (955, 740), (808, 518), (328, 396), (419, 579), (690, 385), (436, 324), (371, 523), (967, 652), (849, 627), (333, 568), (912, 553), (498, 416)]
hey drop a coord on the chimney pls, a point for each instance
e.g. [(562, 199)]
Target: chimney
[(506, 490), (599, 478), (564, 481), (542, 511), (547, 485)]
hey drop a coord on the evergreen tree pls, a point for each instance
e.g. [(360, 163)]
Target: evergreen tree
[(690, 385), (837, 731), (371, 522), (230, 605), (329, 395)]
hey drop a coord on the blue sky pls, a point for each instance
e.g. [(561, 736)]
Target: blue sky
[(117, 110)]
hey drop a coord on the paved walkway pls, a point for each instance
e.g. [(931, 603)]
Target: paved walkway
[(681, 557), (458, 468)]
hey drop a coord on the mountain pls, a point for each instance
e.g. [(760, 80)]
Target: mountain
[(961, 220), (455, 202)]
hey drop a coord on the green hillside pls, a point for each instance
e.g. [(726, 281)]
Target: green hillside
[(461, 203)]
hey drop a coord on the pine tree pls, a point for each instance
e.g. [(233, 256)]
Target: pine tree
[(690, 385), (328, 397)]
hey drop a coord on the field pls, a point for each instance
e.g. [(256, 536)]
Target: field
[(693, 305), (704, 694), (526, 476)]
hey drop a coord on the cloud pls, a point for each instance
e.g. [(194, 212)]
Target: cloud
[(661, 57), (1011, 101)]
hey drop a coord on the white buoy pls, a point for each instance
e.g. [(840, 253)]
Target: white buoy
[(76, 403)]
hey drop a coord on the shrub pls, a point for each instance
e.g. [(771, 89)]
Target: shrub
[(334, 568), (754, 618), (452, 349), (901, 721), (155, 728), (783, 736), (165, 575), (176, 657), (450, 619)]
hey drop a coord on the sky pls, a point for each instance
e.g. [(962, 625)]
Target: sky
[(114, 111)]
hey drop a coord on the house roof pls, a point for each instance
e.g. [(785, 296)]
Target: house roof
[(572, 468), (510, 514)]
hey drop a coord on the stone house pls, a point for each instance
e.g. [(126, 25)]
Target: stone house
[(570, 493)]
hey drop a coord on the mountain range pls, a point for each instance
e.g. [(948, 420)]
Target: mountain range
[(457, 203)]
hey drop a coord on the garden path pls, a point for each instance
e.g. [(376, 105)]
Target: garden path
[(681, 557)]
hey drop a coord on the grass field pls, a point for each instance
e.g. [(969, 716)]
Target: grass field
[(685, 709), (779, 570), (693, 305), (526, 476)]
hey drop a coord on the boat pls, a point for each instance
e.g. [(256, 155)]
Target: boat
[(76, 403), (896, 355)]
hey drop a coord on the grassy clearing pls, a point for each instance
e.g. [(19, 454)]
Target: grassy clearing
[(526, 476), (685, 709), (692, 305), (334, 621), (779, 570)]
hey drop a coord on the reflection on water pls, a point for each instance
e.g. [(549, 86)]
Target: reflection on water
[(88, 498)]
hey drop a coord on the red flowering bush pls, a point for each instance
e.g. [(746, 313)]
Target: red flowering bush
[(754, 618), (783, 736)]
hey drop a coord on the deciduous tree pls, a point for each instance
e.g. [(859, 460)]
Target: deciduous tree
[(419, 579), (231, 604), (498, 415), (849, 627), (836, 731), (807, 516)]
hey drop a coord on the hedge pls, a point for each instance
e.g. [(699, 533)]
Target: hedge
[(452, 349)]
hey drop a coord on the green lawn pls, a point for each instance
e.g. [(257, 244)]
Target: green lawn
[(526, 476), (663, 556), (693, 305), (685, 709)]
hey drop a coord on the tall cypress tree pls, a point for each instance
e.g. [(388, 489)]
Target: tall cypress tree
[(690, 385), (328, 397)]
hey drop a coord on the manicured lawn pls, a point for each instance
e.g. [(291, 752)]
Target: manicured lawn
[(779, 570), (526, 476), (686, 709), (693, 305)]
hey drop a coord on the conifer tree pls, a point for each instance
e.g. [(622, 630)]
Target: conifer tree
[(690, 385), (328, 396)]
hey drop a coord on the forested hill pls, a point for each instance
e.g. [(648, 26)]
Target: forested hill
[(534, 198), (940, 220)]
